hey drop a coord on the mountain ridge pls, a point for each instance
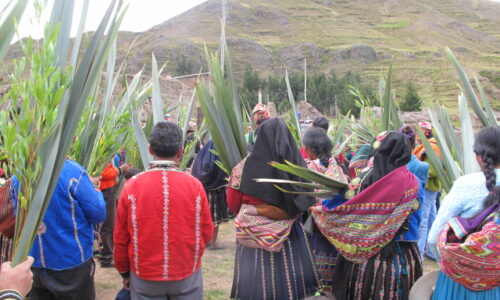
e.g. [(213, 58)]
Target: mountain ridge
[(358, 35)]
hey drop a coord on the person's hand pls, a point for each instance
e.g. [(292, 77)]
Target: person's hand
[(126, 284), (125, 168), (95, 180), (19, 278)]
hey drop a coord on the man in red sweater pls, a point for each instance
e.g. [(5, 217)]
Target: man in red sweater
[(163, 225)]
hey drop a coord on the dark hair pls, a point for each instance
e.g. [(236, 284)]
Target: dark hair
[(487, 146), (410, 134), (166, 139), (131, 173), (316, 141), (321, 122)]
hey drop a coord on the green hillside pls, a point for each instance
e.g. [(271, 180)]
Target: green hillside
[(360, 35)]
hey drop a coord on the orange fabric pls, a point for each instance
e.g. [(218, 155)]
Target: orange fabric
[(108, 177), (420, 150)]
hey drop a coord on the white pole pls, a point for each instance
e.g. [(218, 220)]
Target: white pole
[(305, 79)]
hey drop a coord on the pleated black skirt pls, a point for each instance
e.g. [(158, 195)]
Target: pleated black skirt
[(388, 275), (287, 274)]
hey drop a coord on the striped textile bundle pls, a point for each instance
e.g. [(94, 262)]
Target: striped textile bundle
[(256, 231), (364, 225), (473, 261)]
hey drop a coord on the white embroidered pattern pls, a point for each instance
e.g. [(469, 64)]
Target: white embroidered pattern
[(197, 233), (165, 222), (73, 217), (135, 233), (42, 254)]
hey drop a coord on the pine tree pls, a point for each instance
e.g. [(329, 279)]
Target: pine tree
[(412, 101)]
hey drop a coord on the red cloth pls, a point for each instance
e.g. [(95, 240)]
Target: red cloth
[(108, 176), (235, 198), (303, 152), (163, 223)]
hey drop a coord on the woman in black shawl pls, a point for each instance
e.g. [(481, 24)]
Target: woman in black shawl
[(273, 258), (214, 181), (375, 261)]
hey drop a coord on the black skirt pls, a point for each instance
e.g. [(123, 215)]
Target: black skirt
[(388, 275), (287, 274), (218, 205)]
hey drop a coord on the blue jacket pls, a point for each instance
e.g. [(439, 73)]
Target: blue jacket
[(421, 171), (66, 235)]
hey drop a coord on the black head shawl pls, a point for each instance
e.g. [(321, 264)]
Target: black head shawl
[(274, 143), (393, 152), (206, 170)]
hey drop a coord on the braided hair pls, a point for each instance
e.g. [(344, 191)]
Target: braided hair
[(487, 146), (316, 141)]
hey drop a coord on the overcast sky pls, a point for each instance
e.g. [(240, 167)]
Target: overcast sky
[(141, 14)]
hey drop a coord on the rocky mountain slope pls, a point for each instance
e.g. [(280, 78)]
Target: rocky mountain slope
[(360, 35)]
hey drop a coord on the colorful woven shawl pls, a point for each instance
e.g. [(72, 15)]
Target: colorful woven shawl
[(472, 258), (364, 225), (256, 231)]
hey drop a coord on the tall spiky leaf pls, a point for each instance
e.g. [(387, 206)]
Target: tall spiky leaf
[(157, 103), (469, 91), (470, 164), (295, 120), (8, 27)]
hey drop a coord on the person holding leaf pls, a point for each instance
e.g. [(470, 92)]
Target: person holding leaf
[(273, 255), (63, 246)]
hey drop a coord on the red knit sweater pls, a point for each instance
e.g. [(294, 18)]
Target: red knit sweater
[(163, 223)]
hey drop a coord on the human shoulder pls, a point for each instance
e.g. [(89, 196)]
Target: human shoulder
[(73, 166), (470, 180)]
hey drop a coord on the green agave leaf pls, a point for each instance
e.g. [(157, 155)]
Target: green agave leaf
[(448, 160), (449, 132), (189, 112), (54, 150), (470, 164), (387, 100), (142, 142), (296, 183), (489, 112), (62, 16), (312, 194), (309, 175), (79, 34), (295, 121), (338, 134), (469, 91), (8, 27), (157, 103)]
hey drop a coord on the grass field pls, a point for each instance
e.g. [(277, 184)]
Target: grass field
[(217, 270)]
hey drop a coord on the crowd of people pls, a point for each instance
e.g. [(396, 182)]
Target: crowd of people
[(368, 241)]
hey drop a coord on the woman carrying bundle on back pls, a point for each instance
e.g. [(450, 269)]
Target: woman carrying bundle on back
[(273, 259), (465, 236), (366, 226), (318, 147)]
